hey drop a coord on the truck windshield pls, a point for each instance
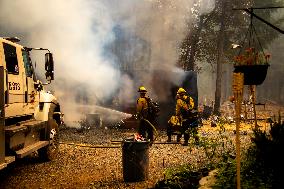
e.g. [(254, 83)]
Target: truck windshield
[(27, 63)]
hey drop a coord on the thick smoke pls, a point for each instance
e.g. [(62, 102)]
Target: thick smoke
[(76, 31), (80, 33), (162, 25)]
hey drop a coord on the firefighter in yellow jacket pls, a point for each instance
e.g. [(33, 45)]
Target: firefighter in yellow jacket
[(184, 109), (174, 124), (145, 129)]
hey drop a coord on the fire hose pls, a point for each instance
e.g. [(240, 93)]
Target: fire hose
[(155, 130), (90, 146)]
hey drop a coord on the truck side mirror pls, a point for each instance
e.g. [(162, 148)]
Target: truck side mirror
[(49, 66)]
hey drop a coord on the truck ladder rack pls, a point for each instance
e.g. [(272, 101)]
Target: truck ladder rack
[(31, 148)]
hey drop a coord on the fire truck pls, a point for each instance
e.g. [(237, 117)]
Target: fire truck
[(29, 114)]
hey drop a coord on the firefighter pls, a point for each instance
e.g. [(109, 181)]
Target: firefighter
[(184, 110), (174, 124), (145, 129)]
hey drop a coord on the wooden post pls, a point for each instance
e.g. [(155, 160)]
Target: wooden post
[(252, 92), (238, 85)]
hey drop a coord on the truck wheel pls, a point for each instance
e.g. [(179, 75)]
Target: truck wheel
[(50, 152)]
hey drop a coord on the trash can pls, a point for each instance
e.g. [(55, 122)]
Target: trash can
[(135, 160)]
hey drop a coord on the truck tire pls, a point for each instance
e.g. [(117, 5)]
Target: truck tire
[(51, 151)]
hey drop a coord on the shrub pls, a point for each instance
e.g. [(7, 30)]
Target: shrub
[(216, 149), (262, 164)]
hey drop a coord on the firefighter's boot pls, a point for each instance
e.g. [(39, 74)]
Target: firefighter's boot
[(185, 143), (169, 139), (186, 139), (178, 138)]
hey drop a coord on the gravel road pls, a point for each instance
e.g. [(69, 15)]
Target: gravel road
[(84, 167)]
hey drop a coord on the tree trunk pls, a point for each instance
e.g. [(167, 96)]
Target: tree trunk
[(220, 59), (194, 45), (190, 46)]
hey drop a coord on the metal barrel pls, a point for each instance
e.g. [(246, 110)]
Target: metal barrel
[(135, 160)]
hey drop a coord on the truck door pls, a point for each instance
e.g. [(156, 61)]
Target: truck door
[(15, 90), (31, 94)]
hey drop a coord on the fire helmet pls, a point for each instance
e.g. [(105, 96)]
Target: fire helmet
[(142, 89), (181, 91)]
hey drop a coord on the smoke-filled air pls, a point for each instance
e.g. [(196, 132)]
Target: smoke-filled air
[(94, 40)]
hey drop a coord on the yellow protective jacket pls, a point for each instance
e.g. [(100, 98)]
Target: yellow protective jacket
[(184, 104), (175, 121), (142, 108)]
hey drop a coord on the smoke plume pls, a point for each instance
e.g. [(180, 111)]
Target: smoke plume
[(81, 32)]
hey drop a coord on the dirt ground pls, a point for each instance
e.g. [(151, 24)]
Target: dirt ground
[(84, 167)]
